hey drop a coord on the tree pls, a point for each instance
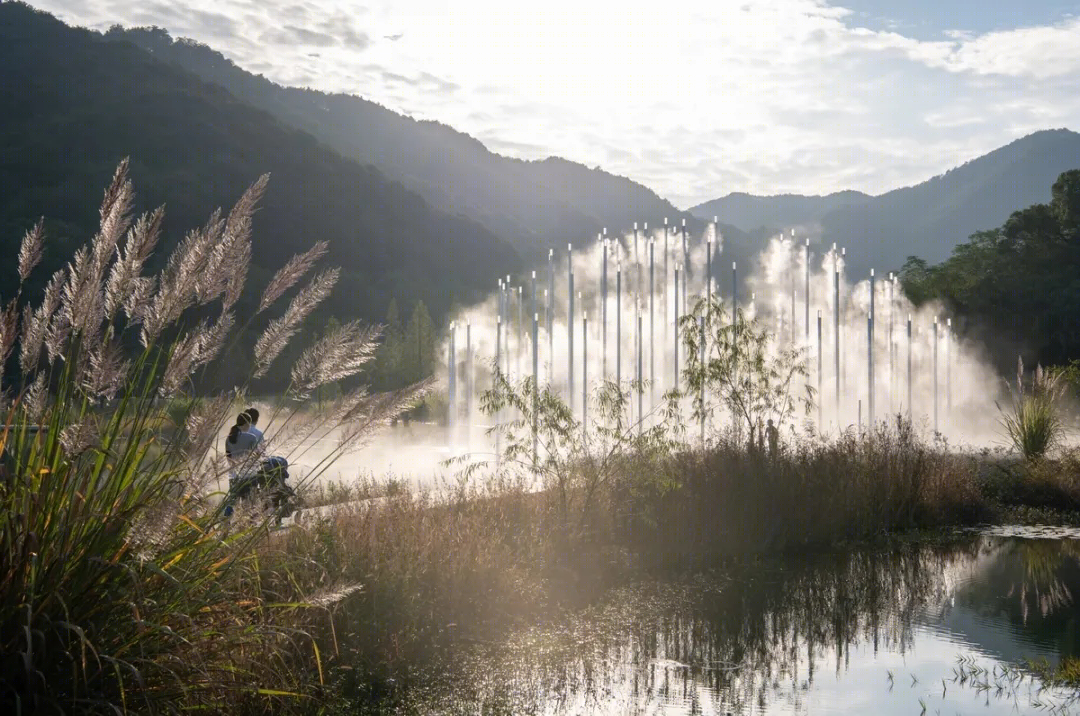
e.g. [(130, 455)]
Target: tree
[(1020, 281), (745, 372), (419, 345), (387, 369)]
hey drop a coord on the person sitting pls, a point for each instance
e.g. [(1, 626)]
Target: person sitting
[(253, 414), (240, 441)]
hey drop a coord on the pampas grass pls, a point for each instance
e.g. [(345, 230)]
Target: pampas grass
[(122, 588)]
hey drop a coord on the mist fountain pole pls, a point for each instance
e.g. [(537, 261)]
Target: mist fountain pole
[(734, 295), (452, 374), (584, 368), (806, 288), (551, 353), (844, 364), (637, 268), (652, 322), (892, 311), (521, 329), (870, 354), (686, 264), (948, 371), (618, 320), (791, 280), (603, 312), (935, 338), (570, 326), (819, 370), (701, 361), (551, 316), (708, 267), (675, 374), (494, 380), (470, 380), (869, 369), (909, 413), (666, 304), (640, 388), (836, 329), (536, 388)]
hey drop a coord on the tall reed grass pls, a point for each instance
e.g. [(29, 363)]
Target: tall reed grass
[(1033, 419), (122, 588)]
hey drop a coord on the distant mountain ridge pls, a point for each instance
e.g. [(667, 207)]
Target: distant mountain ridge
[(532, 204), (748, 211), (927, 219), (76, 104)]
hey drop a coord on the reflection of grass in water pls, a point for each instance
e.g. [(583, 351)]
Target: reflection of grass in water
[(746, 635), (1040, 686)]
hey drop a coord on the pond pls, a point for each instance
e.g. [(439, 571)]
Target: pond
[(944, 626)]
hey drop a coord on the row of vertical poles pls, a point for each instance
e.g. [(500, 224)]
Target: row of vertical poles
[(679, 296)]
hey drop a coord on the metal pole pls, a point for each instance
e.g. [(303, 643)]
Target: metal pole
[(791, 280), (618, 321), (675, 374), (870, 370), (652, 326), (551, 316), (734, 295), (806, 260), (935, 338), (570, 325), (603, 311), (701, 361), (836, 331), (666, 304), (536, 388), (495, 377), (640, 415), (452, 402), (521, 329), (909, 413), (584, 369), (469, 382), (948, 370), (870, 353), (892, 359), (820, 424), (708, 268), (686, 264)]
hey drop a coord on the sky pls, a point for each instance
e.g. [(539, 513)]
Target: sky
[(694, 99)]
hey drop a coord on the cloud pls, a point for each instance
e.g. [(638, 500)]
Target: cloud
[(692, 99)]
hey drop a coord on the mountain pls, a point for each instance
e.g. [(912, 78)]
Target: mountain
[(925, 220), (929, 219), (535, 204), (747, 211), (75, 104)]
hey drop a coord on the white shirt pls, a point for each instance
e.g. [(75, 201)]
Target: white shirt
[(257, 433), (245, 443)]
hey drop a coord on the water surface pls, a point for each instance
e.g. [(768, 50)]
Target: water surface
[(947, 626)]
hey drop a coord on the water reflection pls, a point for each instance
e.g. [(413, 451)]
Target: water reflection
[(863, 632)]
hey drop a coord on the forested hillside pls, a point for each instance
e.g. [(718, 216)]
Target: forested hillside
[(1016, 286), (75, 104), (534, 204)]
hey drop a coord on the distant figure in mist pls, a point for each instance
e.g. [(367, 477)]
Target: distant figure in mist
[(773, 435)]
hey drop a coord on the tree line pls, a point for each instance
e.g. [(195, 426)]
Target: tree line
[(1016, 288)]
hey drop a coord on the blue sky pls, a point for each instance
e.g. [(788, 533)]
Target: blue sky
[(693, 99)]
